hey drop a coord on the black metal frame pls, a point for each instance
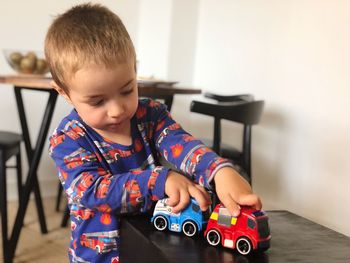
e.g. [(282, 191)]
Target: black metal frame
[(33, 156)]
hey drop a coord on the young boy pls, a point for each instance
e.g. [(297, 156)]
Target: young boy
[(107, 149)]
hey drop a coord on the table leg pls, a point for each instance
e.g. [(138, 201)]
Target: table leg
[(31, 180), (29, 151)]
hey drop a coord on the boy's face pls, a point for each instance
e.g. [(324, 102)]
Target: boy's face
[(106, 99)]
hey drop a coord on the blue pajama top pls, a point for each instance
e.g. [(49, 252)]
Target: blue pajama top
[(103, 179)]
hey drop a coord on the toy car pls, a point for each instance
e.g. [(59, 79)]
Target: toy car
[(245, 233), (249, 231), (190, 221)]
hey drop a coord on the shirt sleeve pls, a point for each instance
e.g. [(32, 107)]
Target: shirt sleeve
[(181, 149), (90, 185)]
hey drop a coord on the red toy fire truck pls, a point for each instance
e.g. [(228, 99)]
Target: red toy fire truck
[(249, 231), (101, 242)]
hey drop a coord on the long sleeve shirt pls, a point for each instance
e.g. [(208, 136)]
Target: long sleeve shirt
[(103, 179)]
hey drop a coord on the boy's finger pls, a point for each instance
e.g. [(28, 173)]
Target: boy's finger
[(201, 197), (251, 200), (231, 205), (174, 198), (205, 193), (183, 202)]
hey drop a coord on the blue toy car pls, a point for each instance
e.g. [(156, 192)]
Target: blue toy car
[(190, 220)]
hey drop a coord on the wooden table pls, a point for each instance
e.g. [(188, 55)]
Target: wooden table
[(147, 88), (294, 239), (155, 89)]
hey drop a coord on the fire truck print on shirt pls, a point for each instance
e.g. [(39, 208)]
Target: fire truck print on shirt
[(103, 179)]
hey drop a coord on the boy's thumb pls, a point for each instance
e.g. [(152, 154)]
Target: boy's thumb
[(172, 201)]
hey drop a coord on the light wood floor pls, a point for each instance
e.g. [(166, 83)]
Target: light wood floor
[(34, 246)]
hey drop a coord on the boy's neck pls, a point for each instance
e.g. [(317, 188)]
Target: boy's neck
[(123, 136)]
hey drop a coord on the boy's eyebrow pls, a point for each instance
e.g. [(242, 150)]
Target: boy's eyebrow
[(92, 96), (128, 83), (99, 95)]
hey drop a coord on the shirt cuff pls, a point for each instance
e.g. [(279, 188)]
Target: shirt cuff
[(215, 166), (159, 175)]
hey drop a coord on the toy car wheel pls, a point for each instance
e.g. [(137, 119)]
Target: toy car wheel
[(213, 237), (243, 246), (189, 228), (160, 223)]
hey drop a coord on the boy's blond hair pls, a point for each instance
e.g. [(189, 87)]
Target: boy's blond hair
[(86, 34)]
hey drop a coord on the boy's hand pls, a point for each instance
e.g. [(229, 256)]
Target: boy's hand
[(233, 191), (179, 190)]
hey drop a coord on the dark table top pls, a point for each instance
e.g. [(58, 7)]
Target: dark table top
[(294, 239)]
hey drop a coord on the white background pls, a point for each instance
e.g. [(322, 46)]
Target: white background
[(295, 55)]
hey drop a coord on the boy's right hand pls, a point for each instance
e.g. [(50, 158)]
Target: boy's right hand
[(179, 189)]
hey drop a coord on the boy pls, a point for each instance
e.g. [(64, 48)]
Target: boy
[(107, 149)]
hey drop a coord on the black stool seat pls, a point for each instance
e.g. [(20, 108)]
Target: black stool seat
[(9, 139), (9, 143)]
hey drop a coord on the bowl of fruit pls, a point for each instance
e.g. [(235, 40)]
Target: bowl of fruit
[(27, 62)]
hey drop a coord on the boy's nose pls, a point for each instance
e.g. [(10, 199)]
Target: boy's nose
[(115, 110)]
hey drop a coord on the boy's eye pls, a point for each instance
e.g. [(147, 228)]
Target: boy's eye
[(96, 103), (127, 92)]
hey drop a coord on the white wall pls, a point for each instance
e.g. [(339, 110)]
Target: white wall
[(292, 54), (23, 25), (154, 37), (295, 55)]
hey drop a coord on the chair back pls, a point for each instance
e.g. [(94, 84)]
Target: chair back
[(247, 113)]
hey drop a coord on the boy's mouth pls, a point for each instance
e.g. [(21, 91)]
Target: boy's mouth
[(115, 124)]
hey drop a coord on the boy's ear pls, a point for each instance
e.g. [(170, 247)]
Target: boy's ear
[(60, 91)]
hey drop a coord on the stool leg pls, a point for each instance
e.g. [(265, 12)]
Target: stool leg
[(19, 176), (3, 208)]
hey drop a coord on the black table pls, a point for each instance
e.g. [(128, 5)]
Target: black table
[(294, 239)]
